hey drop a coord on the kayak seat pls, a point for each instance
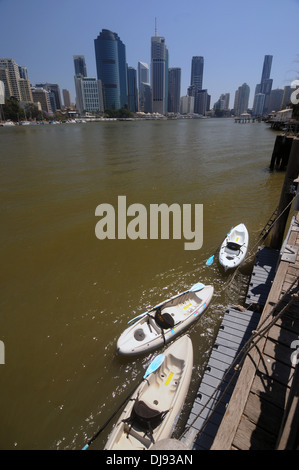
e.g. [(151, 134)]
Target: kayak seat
[(233, 246), (164, 320), (145, 417)]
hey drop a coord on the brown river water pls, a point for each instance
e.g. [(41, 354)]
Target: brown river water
[(66, 295)]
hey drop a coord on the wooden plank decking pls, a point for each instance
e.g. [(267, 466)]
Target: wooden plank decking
[(263, 412), (260, 409), (262, 276), (211, 401)]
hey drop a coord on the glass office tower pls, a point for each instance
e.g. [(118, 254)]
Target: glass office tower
[(110, 55), (174, 89), (197, 72), (80, 65), (196, 81), (159, 74)]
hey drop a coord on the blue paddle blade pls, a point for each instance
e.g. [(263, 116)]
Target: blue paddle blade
[(196, 287), (154, 365), (210, 260)]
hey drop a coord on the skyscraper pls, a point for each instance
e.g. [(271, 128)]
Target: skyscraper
[(275, 100), (66, 98), (159, 74), (174, 90), (80, 65), (110, 56), (197, 72), (266, 68), (143, 73), (89, 95), (55, 95), (196, 81), (13, 77), (264, 87), (241, 99), (132, 90), (144, 88)]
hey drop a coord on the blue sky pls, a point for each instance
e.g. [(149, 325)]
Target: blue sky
[(232, 36)]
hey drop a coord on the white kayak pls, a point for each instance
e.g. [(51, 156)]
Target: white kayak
[(154, 408), (161, 324), (234, 248)]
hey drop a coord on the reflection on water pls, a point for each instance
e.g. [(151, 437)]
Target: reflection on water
[(67, 296)]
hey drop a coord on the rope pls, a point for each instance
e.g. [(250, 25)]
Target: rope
[(249, 345)]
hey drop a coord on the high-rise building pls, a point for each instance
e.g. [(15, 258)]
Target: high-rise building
[(13, 76), (202, 102), (286, 99), (159, 74), (266, 69), (15, 79), (143, 73), (132, 90), (23, 72), (42, 98), (89, 96), (55, 95), (25, 90), (258, 105), (197, 72), (223, 103), (66, 98), (275, 100), (80, 65), (241, 99), (187, 104), (110, 55), (144, 88), (174, 89), (265, 86), (196, 82), (4, 77)]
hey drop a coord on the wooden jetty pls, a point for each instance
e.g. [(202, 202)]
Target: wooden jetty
[(235, 330), (263, 412), (248, 398), (289, 127), (245, 118)]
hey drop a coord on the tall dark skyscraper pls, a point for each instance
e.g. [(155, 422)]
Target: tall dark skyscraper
[(197, 72), (132, 90), (174, 89), (196, 81), (263, 89), (80, 65), (159, 74), (266, 68), (110, 55)]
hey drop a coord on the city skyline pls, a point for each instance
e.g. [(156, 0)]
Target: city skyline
[(233, 43)]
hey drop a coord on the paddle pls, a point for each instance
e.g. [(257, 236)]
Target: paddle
[(196, 287), (154, 365), (211, 259)]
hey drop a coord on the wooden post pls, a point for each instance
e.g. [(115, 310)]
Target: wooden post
[(281, 152), (292, 173)]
